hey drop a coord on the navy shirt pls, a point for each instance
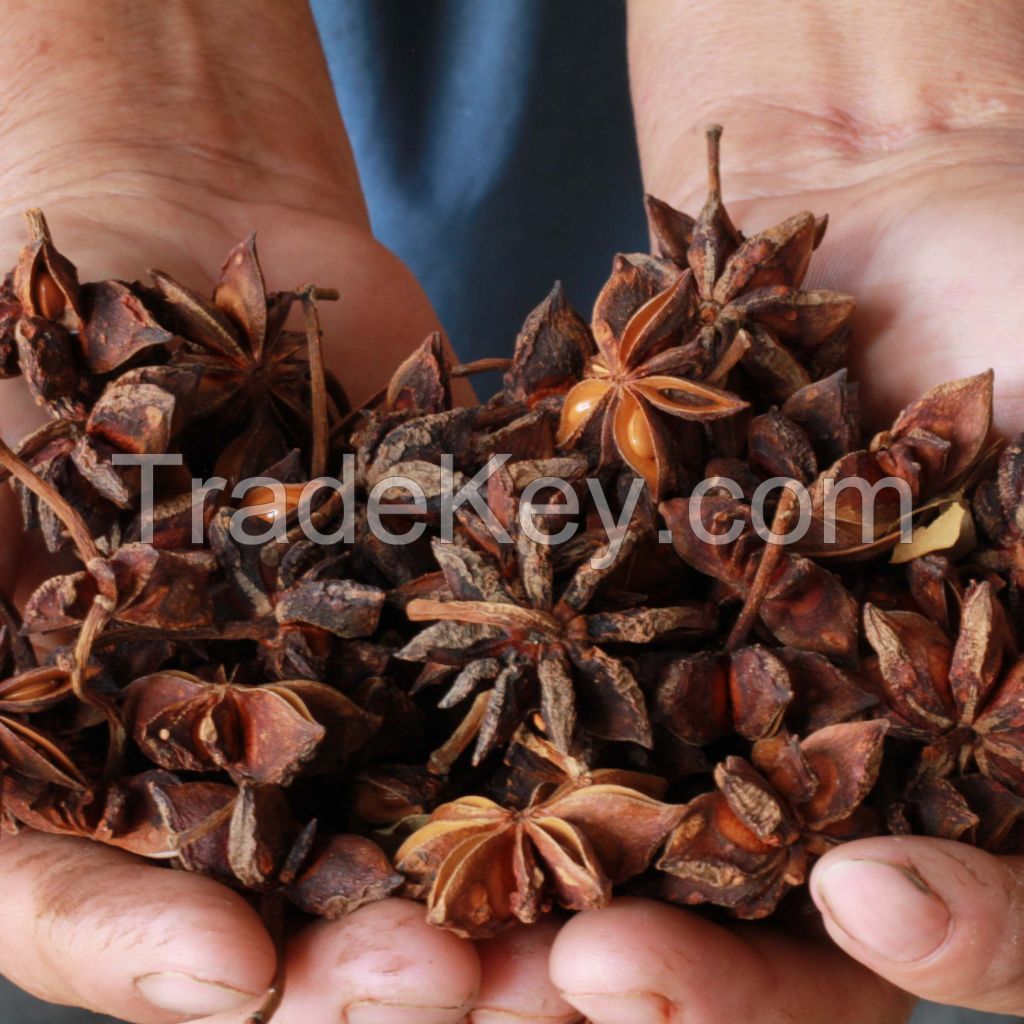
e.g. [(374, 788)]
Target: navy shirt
[(495, 144)]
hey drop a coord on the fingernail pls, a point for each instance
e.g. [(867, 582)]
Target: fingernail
[(190, 997), (400, 1013), (888, 908), (489, 1015), (638, 1008)]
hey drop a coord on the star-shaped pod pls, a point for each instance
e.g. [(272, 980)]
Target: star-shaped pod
[(640, 375), (745, 844), (528, 646), (704, 696), (246, 358), (61, 336), (29, 753), (999, 510), (964, 700), (258, 734), (483, 867), (802, 604), (295, 596), (749, 289), (138, 413)]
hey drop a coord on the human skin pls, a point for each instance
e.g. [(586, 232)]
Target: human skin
[(159, 133)]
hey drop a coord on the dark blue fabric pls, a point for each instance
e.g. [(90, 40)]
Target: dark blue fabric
[(496, 148)]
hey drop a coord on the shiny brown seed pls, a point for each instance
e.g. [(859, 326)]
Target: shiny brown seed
[(49, 299)]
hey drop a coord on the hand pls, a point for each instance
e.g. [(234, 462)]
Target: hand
[(151, 155), (921, 178)]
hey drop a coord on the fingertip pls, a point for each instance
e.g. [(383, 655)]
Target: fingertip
[(640, 961), (634, 947), (96, 927), (516, 980), (382, 964), (937, 918)]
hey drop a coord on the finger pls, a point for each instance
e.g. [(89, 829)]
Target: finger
[(516, 986), (940, 919), (94, 927), (640, 962), (382, 964)]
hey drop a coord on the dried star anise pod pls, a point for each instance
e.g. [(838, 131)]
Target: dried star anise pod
[(63, 332), (482, 867), (420, 386), (748, 290), (970, 809), (257, 734), (245, 357), (550, 352), (964, 700), (800, 603), (704, 696), (301, 596), (639, 374), (999, 509), (515, 636), (744, 845), (27, 752), (933, 448), (136, 414)]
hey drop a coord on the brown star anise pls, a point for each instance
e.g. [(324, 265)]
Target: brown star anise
[(482, 867), (799, 602), (257, 734), (27, 752), (299, 594), (704, 696), (964, 700), (514, 634), (749, 289), (744, 845), (931, 453), (639, 373), (245, 357)]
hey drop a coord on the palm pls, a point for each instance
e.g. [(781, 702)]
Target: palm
[(381, 315), (930, 250), (931, 253)]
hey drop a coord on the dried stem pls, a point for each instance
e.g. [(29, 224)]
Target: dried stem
[(480, 366), (272, 912), (713, 133), (98, 616), (442, 759), (762, 578), (317, 382), (254, 629), (47, 493)]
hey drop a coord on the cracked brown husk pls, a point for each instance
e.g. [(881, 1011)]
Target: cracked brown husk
[(494, 724)]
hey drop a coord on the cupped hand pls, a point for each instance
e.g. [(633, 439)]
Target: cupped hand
[(94, 927), (925, 228)]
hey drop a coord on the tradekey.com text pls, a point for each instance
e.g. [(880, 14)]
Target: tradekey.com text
[(263, 499)]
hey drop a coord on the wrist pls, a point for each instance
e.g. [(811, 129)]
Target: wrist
[(823, 96), (173, 97)]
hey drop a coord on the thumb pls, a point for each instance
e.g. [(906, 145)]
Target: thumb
[(940, 919)]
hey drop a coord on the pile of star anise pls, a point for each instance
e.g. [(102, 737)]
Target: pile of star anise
[(632, 686)]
